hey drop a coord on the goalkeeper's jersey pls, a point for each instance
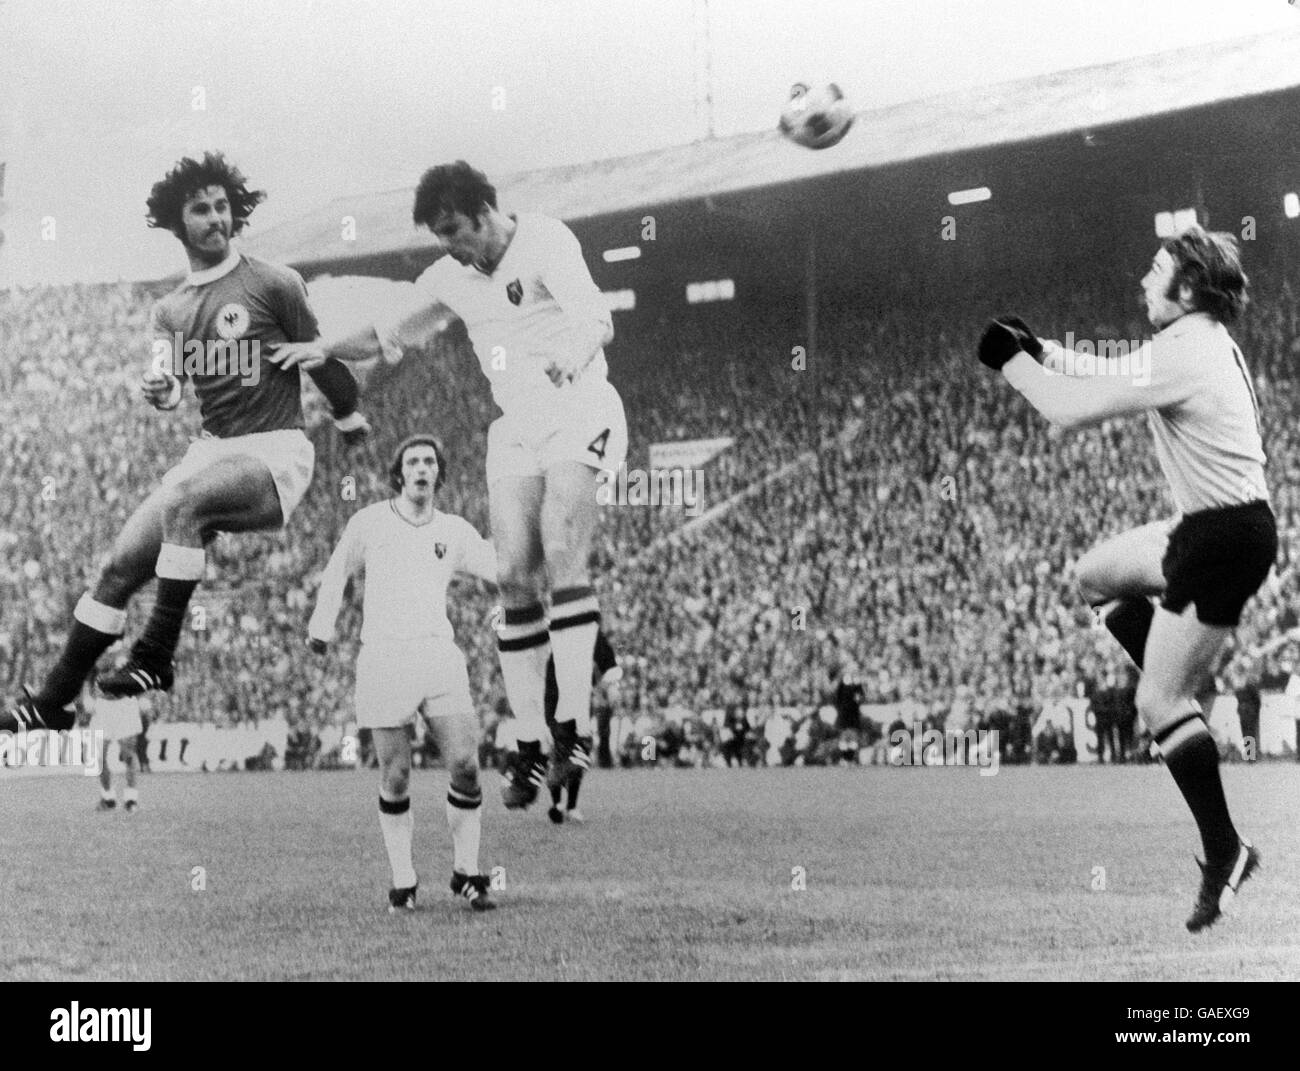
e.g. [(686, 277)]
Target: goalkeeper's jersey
[(407, 569), (521, 318), (1197, 393)]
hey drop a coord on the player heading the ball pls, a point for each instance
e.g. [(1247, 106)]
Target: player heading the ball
[(539, 325)]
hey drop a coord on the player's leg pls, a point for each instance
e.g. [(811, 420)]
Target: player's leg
[(569, 515), (1180, 650), (393, 749), (127, 749), (457, 735), (573, 786), (556, 812), (236, 493), (107, 798), (590, 443), (97, 622), (1118, 578), (522, 640)]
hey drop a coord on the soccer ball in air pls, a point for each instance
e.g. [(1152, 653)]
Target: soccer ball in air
[(816, 117)]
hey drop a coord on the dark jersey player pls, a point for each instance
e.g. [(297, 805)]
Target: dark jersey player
[(1204, 563), (564, 776), (247, 471)]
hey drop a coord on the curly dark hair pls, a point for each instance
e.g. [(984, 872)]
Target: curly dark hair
[(1209, 263), (452, 188), (168, 197)]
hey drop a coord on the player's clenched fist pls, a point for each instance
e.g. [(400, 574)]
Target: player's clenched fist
[(162, 390), (566, 371), (1003, 338)]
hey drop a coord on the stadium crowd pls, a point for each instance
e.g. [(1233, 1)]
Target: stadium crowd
[(890, 515)]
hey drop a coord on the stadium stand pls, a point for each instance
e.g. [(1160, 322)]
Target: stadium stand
[(925, 533)]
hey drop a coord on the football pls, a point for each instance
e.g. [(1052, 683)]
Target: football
[(816, 117)]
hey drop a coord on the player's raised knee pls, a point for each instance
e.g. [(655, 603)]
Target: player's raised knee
[(1090, 575), (180, 507)]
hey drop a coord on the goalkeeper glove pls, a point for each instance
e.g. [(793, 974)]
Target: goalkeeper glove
[(1003, 338)]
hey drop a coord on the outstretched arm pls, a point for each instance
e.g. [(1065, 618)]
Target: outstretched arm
[(409, 324), (1078, 400), (1073, 390)]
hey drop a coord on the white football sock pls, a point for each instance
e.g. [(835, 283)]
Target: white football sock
[(398, 829), (466, 825)]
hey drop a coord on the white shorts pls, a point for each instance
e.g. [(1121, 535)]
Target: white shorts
[(394, 677), (117, 719), (589, 427), (288, 454)]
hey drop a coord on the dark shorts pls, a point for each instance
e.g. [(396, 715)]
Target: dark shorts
[(1217, 559)]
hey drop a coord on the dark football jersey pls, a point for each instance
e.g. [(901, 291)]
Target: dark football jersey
[(237, 319)]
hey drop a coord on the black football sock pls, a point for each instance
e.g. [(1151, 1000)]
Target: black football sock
[(555, 795), (156, 646), (575, 783), (1130, 622), (179, 569), (1193, 759), (95, 628)]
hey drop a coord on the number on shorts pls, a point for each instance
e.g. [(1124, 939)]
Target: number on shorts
[(598, 444)]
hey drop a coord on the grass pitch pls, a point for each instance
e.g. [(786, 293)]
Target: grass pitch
[(910, 874)]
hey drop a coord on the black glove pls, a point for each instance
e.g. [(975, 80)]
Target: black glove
[(317, 646), (1004, 338)]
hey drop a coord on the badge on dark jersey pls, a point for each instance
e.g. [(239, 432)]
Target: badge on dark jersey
[(440, 549), (515, 292)]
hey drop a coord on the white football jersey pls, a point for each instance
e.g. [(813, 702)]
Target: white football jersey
[(522, 317), (407, 569)]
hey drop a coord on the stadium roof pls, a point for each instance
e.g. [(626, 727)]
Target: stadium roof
[(1005, 113)]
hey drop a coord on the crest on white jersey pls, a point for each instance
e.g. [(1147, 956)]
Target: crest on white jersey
[(440, 549), (515, 292), (232, 320)]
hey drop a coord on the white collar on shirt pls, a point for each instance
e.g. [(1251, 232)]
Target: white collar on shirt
[(211, 275), (1189, 321)]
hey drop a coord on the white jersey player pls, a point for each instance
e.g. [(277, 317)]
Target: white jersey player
[(117, 720), (409, 661), (539, 325)]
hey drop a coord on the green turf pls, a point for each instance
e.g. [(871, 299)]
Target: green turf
[(911, 874)]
